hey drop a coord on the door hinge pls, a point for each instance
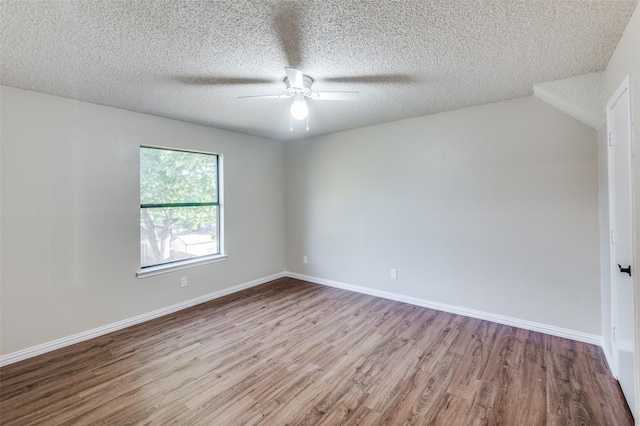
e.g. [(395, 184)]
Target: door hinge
[(610, 138), (612, 236), (613, 334)]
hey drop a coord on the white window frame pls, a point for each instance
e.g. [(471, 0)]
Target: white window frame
[(202, 260)]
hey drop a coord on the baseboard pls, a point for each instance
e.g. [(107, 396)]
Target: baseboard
[(500, 319), (608, 356), (487, 316), (109, 328)]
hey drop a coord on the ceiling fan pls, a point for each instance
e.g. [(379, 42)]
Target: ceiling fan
[(287, 24), (299, 88)]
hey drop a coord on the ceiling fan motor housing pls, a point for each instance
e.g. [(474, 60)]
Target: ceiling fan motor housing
[(306, 90)]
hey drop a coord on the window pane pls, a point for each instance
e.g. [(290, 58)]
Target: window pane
[(168, 176), (176, 233)]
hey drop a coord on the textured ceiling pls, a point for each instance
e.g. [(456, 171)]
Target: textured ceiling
[(191, 60)]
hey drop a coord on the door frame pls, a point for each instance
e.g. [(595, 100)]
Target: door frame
[(624, 86)]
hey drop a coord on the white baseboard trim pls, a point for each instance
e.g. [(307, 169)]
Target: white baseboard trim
[(109, 328), (487, 316), (608, 356)]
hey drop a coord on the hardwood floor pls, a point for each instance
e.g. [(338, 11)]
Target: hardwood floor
[(295, 353)]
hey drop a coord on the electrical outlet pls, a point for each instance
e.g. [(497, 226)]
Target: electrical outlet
[(305, 259), (183, 281), (394, 274)]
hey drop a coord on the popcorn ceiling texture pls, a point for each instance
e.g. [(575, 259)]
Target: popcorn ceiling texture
[(191, 60), (582, 97)]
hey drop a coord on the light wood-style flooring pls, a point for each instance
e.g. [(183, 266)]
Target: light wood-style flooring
[(294, 353)]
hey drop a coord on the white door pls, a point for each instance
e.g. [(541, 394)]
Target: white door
[(621, 228)]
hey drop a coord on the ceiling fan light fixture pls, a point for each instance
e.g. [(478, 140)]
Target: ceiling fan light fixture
[(299, 109)]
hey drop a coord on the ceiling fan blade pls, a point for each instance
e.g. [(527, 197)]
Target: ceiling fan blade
[(295, 77), (219, 81), (378, 78), (267, 96), (287, 25), (335, 96)]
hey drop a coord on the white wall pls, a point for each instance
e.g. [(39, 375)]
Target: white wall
[(624, 61), (70, 215), (493, 208)]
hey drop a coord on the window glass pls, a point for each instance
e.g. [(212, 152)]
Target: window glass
[(179, 206)]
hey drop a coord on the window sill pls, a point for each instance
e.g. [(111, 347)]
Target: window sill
[(163, 269)]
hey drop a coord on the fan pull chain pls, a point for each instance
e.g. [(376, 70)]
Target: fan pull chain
[(290, 124), (307, 123)]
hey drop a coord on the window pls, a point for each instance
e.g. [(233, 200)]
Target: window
[(179, 207)]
